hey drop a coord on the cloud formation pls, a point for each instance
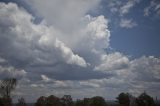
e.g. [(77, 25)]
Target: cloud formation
[(127, 23), (65, 53), (126, 7), (154, 7), (34, 44)]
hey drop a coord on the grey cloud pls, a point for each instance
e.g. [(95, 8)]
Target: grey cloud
[(10, 71)]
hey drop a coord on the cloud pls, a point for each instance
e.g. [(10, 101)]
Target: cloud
[(33, 47), (127, 23), (10, 71), (64, 54), (154, 7), (114, 61), (121, 7), (7, 70), (34, 44), (146, 68), (45, 78), (65, 14), (126, 7)]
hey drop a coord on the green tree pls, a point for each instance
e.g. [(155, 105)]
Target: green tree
[(145, 100), (79, 103), (53, 101), (41, 101), (123, 99), (97, 101), (6, 87)]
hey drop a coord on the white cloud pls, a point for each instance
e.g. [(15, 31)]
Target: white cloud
[(45, 78), (63, 14), (126, 8), (31, 42), (114, 61), (69, 18), (127, 23)]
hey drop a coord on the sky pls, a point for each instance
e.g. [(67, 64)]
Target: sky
[(83, 48)]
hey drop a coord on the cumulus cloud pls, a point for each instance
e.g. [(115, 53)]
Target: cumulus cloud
[(65, 52), (32, 43), (65, 14), (127, 23), (114, 61)]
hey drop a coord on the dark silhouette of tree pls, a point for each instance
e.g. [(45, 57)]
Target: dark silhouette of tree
[(84, 102), (53, 101), (145, 100), (41, 101), (97, 101), (1, 102), (21, 102), (66, 100), (79, 103), (6, 87), (123, 99)]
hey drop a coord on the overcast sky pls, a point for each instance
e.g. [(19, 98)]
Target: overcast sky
[(82, 48)]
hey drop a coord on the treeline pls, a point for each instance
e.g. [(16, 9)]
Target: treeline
[(123, 99)]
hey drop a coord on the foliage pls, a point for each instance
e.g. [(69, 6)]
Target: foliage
[(41, 101), (48, 101), (123, 99), (97, 101), (145, 100), (53, 101), (66, 100)]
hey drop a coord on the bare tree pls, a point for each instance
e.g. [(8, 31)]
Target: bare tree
[(6, 87), (21, 102)]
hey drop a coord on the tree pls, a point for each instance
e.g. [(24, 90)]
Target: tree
[(145, 100), (53, 101), (84, 102), (6, 87), (66, 100), (21, 102), (41, 101), (97, 101), (123, 99), (79, 103), (1, 103)]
